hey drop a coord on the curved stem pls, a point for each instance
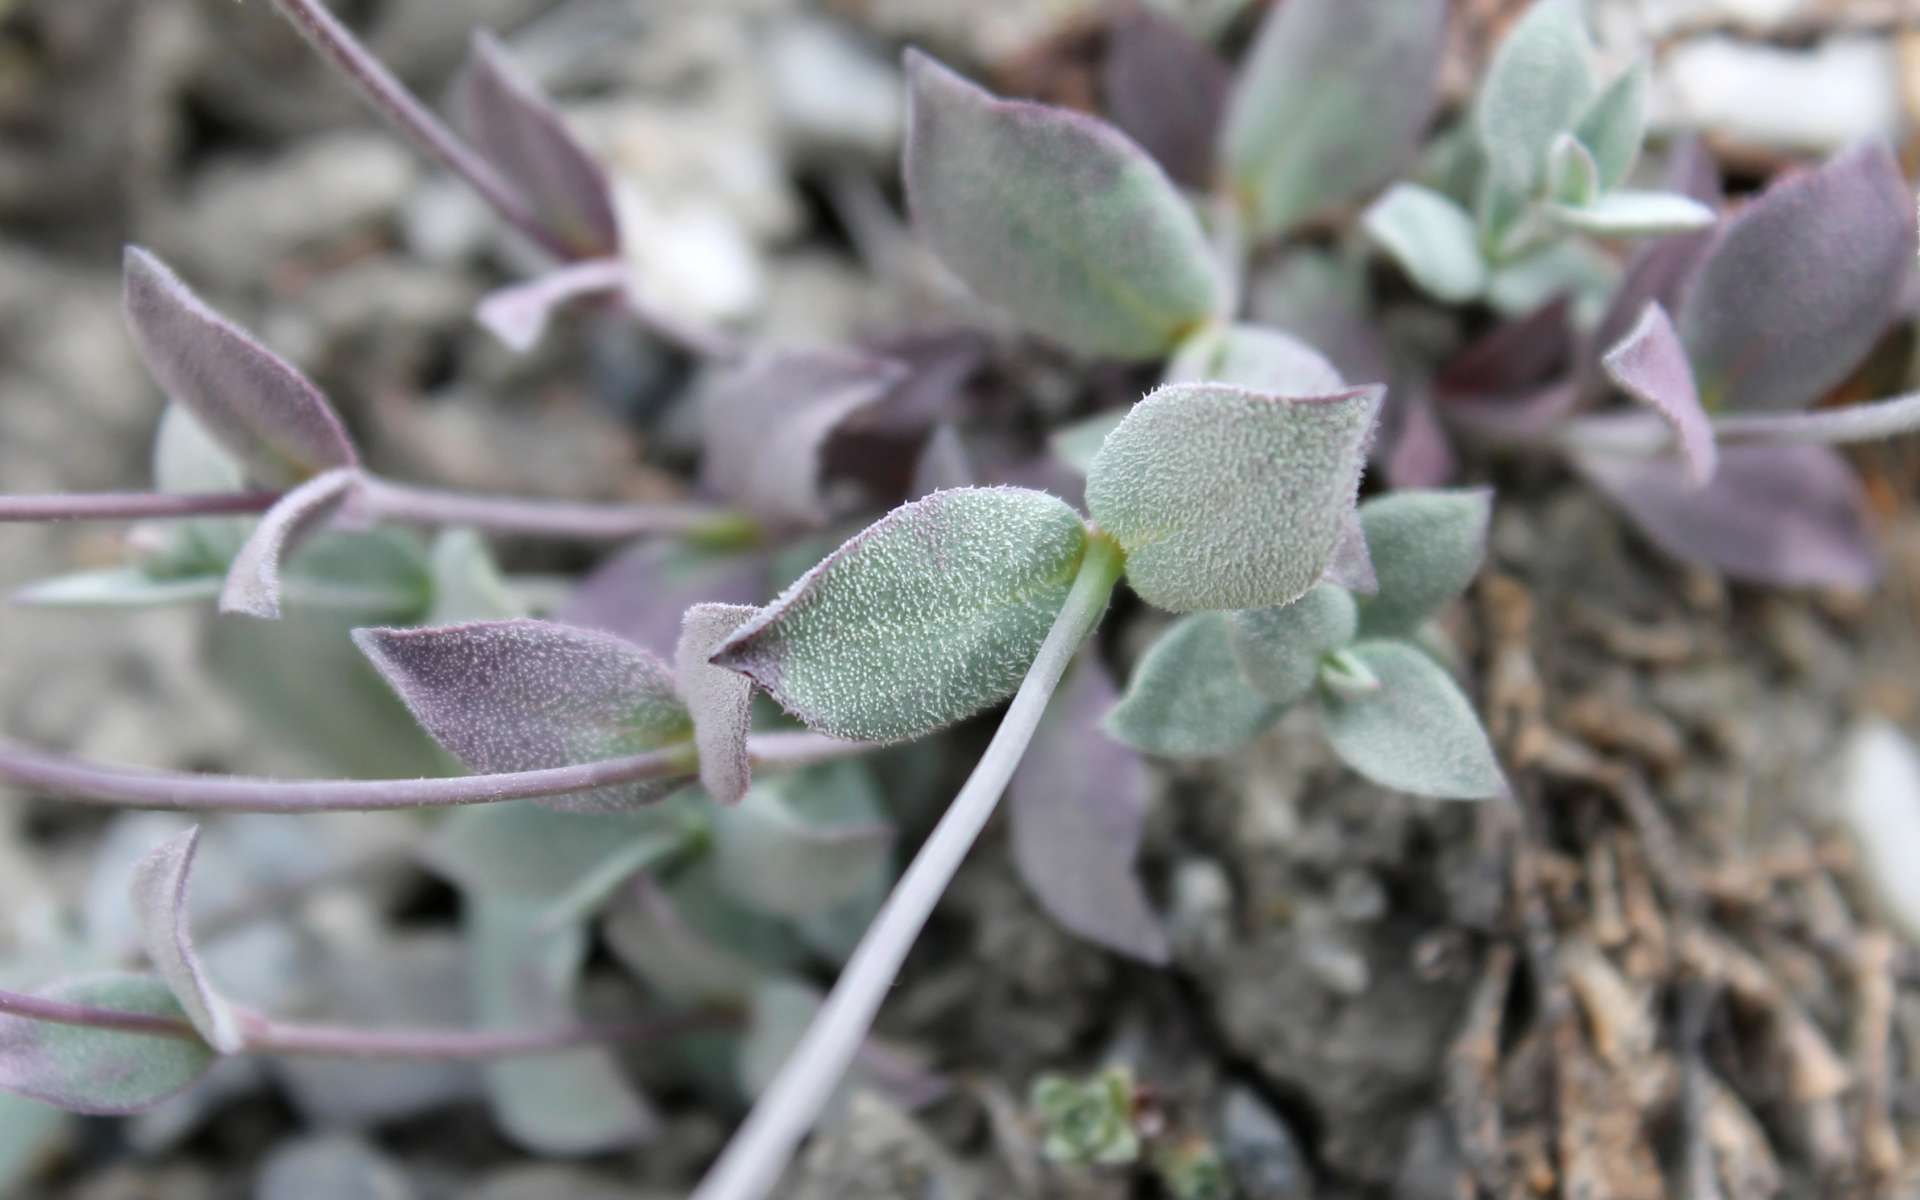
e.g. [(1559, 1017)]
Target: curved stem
[(139, 506), (293, 1039), (549, 518), (403, 109), (753, 1160), (130, 787)]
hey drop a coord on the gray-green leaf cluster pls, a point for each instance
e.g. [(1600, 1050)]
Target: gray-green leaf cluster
[(1216, 680)]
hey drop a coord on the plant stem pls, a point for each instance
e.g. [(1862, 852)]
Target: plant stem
[(378, 499), (1825, 426), (547, 518), (264, 1035), (403, 109), (129, 787), (752, 1162), (97, 506)]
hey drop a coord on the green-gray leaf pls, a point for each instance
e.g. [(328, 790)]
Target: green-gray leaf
[(1573, 177), (101, 1071), (1414, 733), (1189, 697), (1615, 123), (1330, 103), (1250, 356), (1427, 546), (1536, 87), (1280, 648), (923, 618), (1223, 497), (1055, 216), (803, 842), (1432, 238), (118, 587), (1078, 444), (1634, 214)]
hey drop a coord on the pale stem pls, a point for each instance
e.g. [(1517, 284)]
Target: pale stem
[(130, 787), (292, 1039), (136, 506), (752, 1162), (403, 109)]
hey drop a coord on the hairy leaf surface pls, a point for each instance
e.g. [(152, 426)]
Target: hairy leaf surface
[(1280, 649), (101, 1071), (1416, 732), (160, 882), (1188, 696)]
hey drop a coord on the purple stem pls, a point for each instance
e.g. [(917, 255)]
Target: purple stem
[(392, 100), (548, 518), (99, 506), (132, 787), (291, 1039)]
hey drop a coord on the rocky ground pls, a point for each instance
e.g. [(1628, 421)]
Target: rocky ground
[(1656, 973)]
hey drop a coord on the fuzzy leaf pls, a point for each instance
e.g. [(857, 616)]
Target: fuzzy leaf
[(525, 972), (516, 127), (782, 1012), (1432, 238), (803, 842), (1352, 564), (1537, 85), (642, 593), (1573, 177), (519, 314), (520, 695), (767, 420), (1427, 547), (1279, 649), (1078, 444), (1651, 365), (1800, 284), (1055, 216), (565, 863), (1615, 123), (252, 586), (1228, 498), (1165, 89), (116, 587), (1794, 516), (1415, 732), (101, 1071), (253, 402), (160, 882), (1189, 696), (1331, 102), (1078, 807), (186, 459), (927, 616), (1250, 356), (720, 701), (694, 945), (1634, 214), (467, 583)]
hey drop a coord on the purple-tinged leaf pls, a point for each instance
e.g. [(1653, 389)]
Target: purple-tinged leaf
[(924, 618), (767, 420), (253, 579), (518, 315), (1800, 284), (160, 882), (943, 464), (1526, 416), (1352, 565), (720, 701), (1824, 427), (1166, 90), (1330, 103), (1418, 453), (1651, 365), (517, 129), (642, 592), (522, 695), (253, 402), (1055, 216), (105, 1072), (1513, 356), (1225, 498), (525, 972), (1794, 516), (1078, 806)]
